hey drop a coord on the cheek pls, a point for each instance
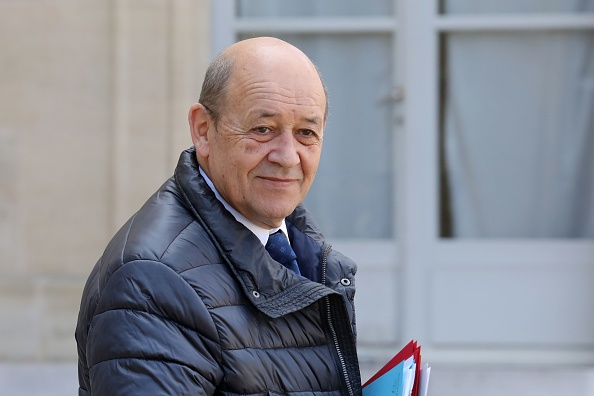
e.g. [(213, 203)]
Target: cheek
[(310, 161), (251, 149), (251, 155)]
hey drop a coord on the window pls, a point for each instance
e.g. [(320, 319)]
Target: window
[(517, 127)]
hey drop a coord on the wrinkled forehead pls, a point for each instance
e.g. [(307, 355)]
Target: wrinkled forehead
[(285, 71)]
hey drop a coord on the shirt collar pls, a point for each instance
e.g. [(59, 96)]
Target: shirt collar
[(260, 232)]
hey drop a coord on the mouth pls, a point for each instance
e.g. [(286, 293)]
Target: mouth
[(278, 181)]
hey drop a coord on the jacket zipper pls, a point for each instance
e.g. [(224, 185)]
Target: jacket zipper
[(329, 317)]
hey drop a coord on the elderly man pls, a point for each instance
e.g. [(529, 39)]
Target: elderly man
[(200, 292)]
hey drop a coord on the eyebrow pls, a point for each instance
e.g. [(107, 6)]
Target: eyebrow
[(266, 114), (315, 120)]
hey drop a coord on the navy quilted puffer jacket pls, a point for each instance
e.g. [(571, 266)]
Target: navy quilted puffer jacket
[(186, 301)]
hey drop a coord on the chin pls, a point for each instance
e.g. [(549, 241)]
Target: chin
[(280, 212)]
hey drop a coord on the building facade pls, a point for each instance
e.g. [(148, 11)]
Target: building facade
[(458, 168), (93, 112)]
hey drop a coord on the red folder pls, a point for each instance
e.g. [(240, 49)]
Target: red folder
[(411, 349)]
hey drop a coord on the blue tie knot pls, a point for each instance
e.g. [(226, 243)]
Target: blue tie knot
[(280, 250)]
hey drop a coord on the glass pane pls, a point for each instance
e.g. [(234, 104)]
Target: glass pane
[(314, 8), (515, 6), (352, 196), (518, 135)]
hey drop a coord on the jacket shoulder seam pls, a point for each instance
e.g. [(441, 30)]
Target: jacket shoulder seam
[(164, 361), (192, 221), (126, 238), (161, 317)]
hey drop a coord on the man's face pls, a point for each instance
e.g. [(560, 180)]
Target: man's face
[(264, 152)]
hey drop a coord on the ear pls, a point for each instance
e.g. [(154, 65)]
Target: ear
[(200, 121)]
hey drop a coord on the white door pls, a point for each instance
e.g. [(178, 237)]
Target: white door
[(499, 144), (457, 168)]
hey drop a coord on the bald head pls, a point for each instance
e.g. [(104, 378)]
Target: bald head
[(262, 55)]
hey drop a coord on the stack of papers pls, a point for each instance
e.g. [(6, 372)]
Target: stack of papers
[(403, 375)]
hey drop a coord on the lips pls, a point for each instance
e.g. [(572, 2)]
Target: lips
[(279, 181)]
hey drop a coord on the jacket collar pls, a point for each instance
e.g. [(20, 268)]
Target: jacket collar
[(270, 287)]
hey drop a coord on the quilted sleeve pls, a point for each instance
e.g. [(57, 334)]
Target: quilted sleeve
[(151, 335)]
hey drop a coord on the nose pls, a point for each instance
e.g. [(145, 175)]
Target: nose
[(284, 150)]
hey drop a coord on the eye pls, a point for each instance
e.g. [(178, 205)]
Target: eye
[(261, 130), (308, 136), (262, 133)]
